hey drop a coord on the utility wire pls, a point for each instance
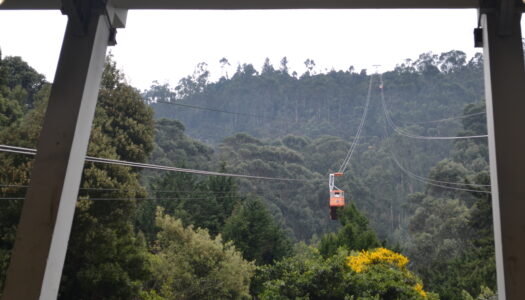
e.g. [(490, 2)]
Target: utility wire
[(130, 198), (18, 186), (160, 198), (148, 190), (438, 182), (448, 119), (29, 151), (444, 186), (400, 131), (359, 129), (429, 181), (225, 111)]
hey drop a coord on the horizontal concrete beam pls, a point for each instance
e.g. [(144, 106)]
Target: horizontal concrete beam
[(253, 4)]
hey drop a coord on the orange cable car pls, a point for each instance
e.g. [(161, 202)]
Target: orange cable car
[(337, 196)]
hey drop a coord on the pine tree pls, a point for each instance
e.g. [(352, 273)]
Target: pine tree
[(255, 233), (354, 235)]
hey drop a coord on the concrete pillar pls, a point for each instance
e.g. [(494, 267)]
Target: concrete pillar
[(43, 232), (505, 96)]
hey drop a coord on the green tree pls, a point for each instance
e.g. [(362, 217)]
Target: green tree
[(255, 233), (355, 233), (189, 264), (16, 76), (20, 130), (378, 274), (106, 259), (10, 111)]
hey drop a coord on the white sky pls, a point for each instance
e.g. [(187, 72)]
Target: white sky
[(167, 45)]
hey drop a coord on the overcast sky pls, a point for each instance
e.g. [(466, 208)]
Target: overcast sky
[(167, 45)]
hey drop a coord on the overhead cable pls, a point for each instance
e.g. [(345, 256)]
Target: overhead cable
[(19, 186), (159, 198), (400, 131), (449, 119), (436, 182), (439, 183), (429, 181), (29, 151), (448, 187), (129, 198), (14, 186), (359, 129), (225, 111)]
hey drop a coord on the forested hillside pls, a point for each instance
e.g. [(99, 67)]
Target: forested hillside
[(417, 224), (275, 103), (310, 120), (302, 127)]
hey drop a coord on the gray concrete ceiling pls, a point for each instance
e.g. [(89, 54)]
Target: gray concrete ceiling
[(253, 4)]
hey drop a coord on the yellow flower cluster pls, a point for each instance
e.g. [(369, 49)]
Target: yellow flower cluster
[(419, 289), (360, 262)]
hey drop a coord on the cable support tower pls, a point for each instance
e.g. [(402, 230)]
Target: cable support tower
[(402, 132), (359, 129), (29, 151)]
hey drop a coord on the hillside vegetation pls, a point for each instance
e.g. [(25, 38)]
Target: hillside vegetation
[(418, 220)]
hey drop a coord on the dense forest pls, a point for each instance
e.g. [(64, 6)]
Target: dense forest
[(418, 219)]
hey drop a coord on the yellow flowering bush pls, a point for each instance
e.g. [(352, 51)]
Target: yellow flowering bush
[(364, 259), (419, 289), (373, 274)]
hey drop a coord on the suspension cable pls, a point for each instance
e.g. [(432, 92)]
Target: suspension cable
[(20, 186), (29, 151), (448, 119), (131, 198), (429, 181), (225, 111), (440, 185), (400, 131), (359, 129)]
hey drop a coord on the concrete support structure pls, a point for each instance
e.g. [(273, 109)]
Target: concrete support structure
[(43, 232), (254, 4), (505, 96)]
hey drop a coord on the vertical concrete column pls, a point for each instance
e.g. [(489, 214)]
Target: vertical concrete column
[(47, 215), (505, 96)]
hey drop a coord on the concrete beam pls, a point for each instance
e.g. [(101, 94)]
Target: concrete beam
[(253, 4), (505, 95), (45, 224)]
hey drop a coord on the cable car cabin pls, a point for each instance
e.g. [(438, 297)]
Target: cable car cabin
[(337, 196), (337, 199)]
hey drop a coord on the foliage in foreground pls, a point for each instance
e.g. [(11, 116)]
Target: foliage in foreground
[(355, 233), (189, 264), (253, 231), (375, 274), (450, 232)]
